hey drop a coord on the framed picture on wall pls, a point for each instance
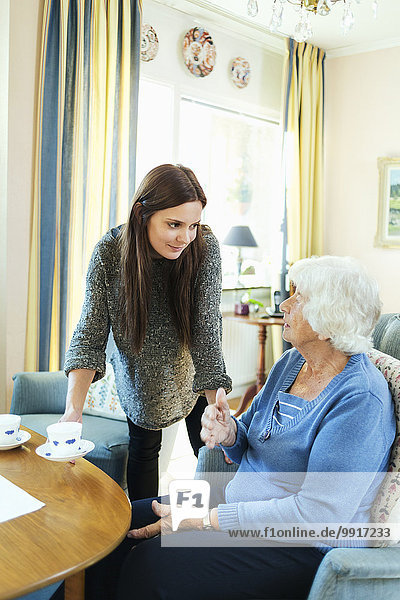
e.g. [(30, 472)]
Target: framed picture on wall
[(388, 232)]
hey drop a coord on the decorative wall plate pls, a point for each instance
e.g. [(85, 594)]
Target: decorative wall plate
[(240, 72), (199, 52), (149, 43)]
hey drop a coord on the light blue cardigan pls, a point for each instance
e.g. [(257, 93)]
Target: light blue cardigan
[(348, 430)]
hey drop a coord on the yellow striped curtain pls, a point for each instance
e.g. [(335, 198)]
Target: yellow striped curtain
[(304, 113), (85, 158)]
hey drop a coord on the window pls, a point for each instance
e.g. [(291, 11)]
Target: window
[(155, 127), (237, 159)]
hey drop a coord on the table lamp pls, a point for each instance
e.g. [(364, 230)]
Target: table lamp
[(240, 236)]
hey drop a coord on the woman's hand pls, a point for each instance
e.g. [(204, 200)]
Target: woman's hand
[(79, 381), (71, 415), (164, 524), (217, 425)]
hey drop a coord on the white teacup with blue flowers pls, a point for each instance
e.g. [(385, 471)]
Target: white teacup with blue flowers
[(64, 438), (9, 429)]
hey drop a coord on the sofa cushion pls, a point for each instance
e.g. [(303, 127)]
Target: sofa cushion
[(387, 502), (102, 398), (110, 437)]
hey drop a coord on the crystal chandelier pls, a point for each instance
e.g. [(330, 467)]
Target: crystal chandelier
[(303, 30)]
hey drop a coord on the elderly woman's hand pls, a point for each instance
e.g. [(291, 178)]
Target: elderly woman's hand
[(217, 425), (153, 529), (164, 524)]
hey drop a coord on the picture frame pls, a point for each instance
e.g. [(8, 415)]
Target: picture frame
[(388, 230)]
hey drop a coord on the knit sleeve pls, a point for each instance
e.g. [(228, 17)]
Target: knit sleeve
[(89, 340), (206, 351), (236, 451)]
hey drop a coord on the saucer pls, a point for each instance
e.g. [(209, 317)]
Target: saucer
[(23, 437), (45, 451)]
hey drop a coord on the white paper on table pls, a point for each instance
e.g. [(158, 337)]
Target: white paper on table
[(15, 502)]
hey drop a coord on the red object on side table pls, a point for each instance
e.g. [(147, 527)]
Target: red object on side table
[(241, 308)]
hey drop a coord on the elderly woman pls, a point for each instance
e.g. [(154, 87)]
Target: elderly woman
[(325, 409)]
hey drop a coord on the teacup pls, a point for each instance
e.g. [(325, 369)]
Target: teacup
[(9, 429), (64, 438)]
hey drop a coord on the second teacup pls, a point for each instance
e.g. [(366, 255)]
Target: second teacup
[(9, 429), (64, 438)]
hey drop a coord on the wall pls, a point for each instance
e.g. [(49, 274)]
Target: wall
[(25, 18), (4, 41), (263, 94), (362, 124)]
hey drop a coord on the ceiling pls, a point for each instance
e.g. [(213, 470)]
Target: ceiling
[(368, 33)]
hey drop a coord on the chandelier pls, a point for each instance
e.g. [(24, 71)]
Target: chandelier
[(303, 30)]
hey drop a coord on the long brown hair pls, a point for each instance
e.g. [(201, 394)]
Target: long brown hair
[(163, 187)]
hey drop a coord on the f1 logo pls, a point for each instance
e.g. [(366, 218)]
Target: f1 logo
[(189, 499)]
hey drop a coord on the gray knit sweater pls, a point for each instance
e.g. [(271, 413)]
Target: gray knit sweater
[(160, 385)]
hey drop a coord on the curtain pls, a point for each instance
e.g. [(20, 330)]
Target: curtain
[(85, 158), (303, 149)]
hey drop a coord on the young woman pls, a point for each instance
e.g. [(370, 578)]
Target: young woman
[(155, 282)]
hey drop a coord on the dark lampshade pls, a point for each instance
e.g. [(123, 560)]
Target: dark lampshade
[(240, 235)]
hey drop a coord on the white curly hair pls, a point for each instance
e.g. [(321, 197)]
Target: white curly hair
[(341, 300)]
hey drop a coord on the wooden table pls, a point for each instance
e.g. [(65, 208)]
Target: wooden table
[(86, 515), (262, 324)]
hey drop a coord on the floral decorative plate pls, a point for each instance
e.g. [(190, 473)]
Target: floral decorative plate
[(149, 43), (199, 52), (240, 72)]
